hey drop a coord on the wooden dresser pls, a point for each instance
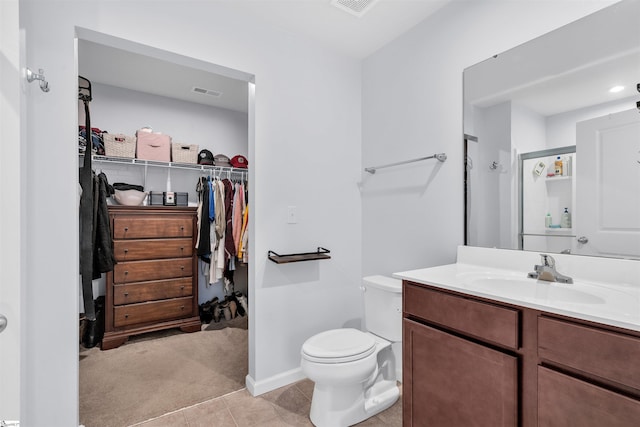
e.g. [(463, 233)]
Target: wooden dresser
[(154, 284)]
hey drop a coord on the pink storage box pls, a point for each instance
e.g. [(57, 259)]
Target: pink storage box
[(153, 146)]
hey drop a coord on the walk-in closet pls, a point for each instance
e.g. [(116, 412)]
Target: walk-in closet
[(168, 142)]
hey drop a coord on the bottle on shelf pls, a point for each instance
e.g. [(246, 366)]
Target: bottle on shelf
[(565, 222), (547, 220), (558, 166)]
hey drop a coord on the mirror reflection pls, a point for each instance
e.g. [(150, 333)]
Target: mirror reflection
[(552, 140)]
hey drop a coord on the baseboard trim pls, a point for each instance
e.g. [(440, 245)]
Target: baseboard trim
[(256, 388)]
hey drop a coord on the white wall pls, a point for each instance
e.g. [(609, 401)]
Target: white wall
[(412, 106), (306, 153), (121, 110)]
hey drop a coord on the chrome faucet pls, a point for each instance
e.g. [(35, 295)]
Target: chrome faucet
[(547, 271)]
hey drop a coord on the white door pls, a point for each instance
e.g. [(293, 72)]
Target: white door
[(10, 258), (607, 215)]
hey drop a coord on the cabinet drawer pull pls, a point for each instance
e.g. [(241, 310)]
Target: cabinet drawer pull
[(182, 228), (182, 267), (182, 288), (126, 316), (126, 250), (126, 229), (126, 272), (126, 294), (182, 308)]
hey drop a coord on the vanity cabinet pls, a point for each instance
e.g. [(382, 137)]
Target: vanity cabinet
[(453, 373), (154, 284), (474, 361), (587, 376)]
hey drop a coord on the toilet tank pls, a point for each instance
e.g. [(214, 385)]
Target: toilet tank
[(383, 306)]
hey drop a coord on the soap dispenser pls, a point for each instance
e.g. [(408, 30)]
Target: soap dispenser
[(565, 222)]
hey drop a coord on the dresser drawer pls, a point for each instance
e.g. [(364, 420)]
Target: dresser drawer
[(148, 227), (152, 311), (150, 291), (491, 323), (139, 271), (609, 355), (133, 250)]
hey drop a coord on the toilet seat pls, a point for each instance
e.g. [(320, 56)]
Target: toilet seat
[(338, 346)]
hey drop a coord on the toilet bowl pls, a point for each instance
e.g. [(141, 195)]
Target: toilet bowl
[(355, 371)]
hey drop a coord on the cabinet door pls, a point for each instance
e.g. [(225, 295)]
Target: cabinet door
[(567, 401), (450, 381)]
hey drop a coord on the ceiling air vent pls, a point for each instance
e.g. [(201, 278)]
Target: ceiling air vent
[(354, 7), (206, 91)]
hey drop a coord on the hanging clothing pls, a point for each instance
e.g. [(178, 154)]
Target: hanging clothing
[(204, 241), (230, 250), (103, 257), (242, 246), (238, 210)]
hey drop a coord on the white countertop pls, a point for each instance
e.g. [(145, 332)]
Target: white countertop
[(614, 304)]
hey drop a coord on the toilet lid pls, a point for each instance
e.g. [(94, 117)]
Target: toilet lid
[(339, 345)]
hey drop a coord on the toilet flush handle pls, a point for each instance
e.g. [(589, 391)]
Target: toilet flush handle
[(363, 288)]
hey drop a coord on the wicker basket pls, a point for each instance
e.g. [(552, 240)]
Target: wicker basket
[(119, 145), (184, 153)]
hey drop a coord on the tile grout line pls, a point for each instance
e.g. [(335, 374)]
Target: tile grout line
[(192, 406)]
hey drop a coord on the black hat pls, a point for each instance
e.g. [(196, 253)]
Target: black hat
[(205, 157)]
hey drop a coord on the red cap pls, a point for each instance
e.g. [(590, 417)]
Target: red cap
[(239, 161)]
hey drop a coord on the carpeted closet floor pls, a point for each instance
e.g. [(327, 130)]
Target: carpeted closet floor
[(156, 373)]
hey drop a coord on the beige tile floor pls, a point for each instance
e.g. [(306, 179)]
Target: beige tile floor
[(286, 406)]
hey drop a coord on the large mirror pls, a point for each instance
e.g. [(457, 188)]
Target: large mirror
[(552, 140)]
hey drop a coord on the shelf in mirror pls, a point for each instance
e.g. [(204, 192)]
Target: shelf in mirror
[(559, 178)]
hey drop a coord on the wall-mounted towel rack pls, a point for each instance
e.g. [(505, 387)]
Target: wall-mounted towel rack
[(440, 156), (321, 253)]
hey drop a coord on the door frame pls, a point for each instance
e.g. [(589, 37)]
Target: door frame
[(527, 156), (11, 224)]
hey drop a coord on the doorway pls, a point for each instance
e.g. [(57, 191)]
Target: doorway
[(120, 69)]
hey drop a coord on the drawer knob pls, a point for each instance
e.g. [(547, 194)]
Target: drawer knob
[(182, 308), (182, 228), (126, 250), (126, 272), (126, 316), (126, 229), (182, 287), (182, 267), (126, 294)]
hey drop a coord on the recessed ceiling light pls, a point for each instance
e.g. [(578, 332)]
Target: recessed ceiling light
[(616, 89)]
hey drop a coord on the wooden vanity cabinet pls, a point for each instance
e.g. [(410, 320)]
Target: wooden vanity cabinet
[(154, 284), (451, 375), (588, 376), (475, 361)]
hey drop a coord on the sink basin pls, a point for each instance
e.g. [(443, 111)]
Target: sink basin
[(526, 288)]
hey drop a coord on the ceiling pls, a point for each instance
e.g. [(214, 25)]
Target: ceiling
[(317, 20), (327, 25)]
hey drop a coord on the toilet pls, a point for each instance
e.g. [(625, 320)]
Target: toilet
[(355, 372)]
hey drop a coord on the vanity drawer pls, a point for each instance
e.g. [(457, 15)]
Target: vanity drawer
[(139, 271), (133, 250), (148, 227), (152, 311), (488, 322), (607, 354), (568, 401), (149, 291)]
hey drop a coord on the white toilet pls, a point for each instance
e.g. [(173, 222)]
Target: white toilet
[(355, 372)]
